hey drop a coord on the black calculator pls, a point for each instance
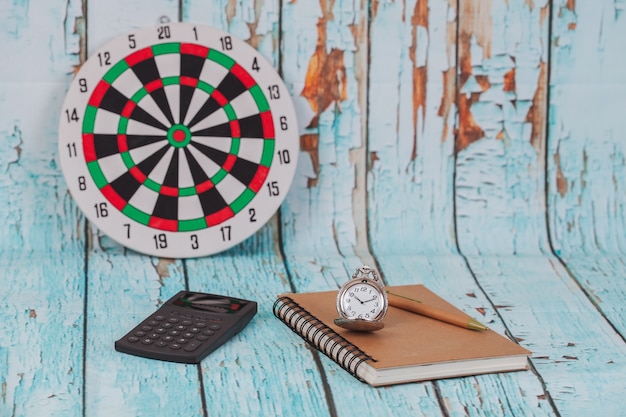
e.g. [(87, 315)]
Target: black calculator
[(188, 327)]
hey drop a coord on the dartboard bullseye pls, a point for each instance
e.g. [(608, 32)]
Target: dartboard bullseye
[(178, 141)]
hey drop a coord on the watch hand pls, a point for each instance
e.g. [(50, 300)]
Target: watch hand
[(357, 298), (364, 302)]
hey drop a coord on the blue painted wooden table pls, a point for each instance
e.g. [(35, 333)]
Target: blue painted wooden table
[(474, 146)]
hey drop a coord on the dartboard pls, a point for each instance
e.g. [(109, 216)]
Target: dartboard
[(178, 140)]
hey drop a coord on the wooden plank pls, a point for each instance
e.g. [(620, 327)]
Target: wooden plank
[(500, 176), (42, 257), (410, 184), (257, 22), (500, 171), (411, 127), (124, 287), (324, 63), (586, 152), (272, 371), (107, 20), (577, 355)]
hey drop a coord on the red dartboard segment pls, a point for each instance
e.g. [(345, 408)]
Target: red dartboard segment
[(169, 191), (219, 97), (220, 216), (98, 93), (204, 186), (115, 199), (189, 81), (128, 109), (259, 178), (234, 129), (154, 85), (88, 147), (138, 175), (163, 224), (268, 124), (243, 76), (194, 49), (139, 56), (122, 143), (229, 162)]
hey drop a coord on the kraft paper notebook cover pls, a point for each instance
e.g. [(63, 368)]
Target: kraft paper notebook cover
[(409, 348)]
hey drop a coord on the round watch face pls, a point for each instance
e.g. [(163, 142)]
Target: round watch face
[(178, 140), (363, 300)]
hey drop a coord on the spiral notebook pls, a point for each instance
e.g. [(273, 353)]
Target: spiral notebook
[(409, 348)]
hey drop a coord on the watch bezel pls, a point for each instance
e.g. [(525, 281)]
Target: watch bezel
[(360, 280)]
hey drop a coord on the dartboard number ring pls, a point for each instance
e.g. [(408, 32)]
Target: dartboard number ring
[(179, 140)]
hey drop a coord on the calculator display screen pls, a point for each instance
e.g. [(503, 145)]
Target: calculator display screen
[(210, 303)]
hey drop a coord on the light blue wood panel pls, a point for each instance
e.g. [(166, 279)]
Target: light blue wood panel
[(323, 57), (587, 124), (265, 370), (106, 20), (500, 175), (41, 293), (411, 127), (323, 219), (125, 287), (257, 22), (586, 150), (499, 181), (578, 356), (413, 66)]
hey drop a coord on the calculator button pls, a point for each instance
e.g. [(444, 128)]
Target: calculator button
[(173, 320), (168, 338), (192, 346), (215, 327), (209, 332), (159, 318), (146, 341), (201, 324), (154, 336), (146, 328), (160, 330), (139, 333), (161, 343), (174, 332), (188, 335), (153, 323), (168, 325), (187, 322), (175, 346), (202, 338), (181, 340), (194, 330), (133, 339), (181, 327)]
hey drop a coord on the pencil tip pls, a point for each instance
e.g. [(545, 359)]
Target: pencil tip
[(476, 325)]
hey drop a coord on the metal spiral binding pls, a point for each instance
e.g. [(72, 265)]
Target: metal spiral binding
[(312, 331)]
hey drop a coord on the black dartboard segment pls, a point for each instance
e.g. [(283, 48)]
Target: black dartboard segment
[(179, 140)]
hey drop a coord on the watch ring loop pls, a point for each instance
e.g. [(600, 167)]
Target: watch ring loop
[(366, 272)]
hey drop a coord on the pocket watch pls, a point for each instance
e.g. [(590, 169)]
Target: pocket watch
[(362, 301)]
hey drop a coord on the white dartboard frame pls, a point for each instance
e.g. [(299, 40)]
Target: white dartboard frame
[(178, 140)]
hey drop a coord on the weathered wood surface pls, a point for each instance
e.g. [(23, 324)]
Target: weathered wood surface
[(473, 146)]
